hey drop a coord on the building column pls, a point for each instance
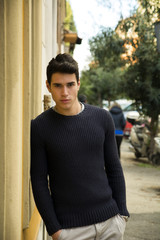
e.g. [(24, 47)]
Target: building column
[(11, 119), (2, 122), (32, 106), (54, 28), (36, 62)]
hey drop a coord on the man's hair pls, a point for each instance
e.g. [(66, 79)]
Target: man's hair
[(82, 98), (63, 63)]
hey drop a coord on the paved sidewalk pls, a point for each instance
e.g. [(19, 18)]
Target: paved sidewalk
[(143, 196)]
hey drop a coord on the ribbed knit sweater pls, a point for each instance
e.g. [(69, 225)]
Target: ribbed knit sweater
[(78, 155)]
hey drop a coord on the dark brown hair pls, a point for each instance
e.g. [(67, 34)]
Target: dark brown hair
[(63, 63)]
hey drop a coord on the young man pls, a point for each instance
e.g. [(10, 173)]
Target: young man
[(73, 144)]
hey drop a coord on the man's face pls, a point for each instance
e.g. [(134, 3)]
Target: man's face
[(64, 89)]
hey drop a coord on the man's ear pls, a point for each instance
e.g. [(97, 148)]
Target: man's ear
[(48, 86), (79, 83)]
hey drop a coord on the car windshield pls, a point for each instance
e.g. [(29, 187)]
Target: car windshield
[(131, 107)]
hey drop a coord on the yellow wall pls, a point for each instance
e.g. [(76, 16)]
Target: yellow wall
[(32, 231), (32, 105), (20, 101), (11, 120)]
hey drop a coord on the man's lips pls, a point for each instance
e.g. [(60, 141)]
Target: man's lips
[(65, 100)]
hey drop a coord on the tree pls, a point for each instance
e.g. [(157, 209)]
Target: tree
[(104, 79), (98, 84), (143, 74), (106, 49)]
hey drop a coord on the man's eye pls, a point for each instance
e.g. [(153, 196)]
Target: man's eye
[(70, 84), (57, 85)]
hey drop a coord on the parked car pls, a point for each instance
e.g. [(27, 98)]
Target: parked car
[(127, 129), (122, 102), (128, 107), (130, 112)]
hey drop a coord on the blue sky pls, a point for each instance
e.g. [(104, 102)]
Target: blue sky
[(89, 17)]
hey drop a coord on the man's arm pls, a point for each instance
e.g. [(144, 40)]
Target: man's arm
[(39, 174), (114, 169)]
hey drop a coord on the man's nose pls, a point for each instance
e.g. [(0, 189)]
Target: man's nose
[(64, 91)]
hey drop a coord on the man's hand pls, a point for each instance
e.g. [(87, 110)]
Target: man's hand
[(56, 235), (125, 218)]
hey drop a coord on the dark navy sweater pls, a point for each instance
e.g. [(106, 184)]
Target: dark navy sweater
[(78, 155)]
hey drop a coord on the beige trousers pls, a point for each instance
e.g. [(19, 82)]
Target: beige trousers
[(112, 229)]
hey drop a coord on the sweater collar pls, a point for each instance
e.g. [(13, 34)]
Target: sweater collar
[(82, 108)]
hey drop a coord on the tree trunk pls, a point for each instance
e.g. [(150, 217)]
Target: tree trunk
[(100, 100), (153, 130)]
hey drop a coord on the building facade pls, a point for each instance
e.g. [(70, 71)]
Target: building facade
[(31, 33)]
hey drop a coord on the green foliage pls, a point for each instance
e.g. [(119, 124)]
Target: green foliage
[(104, 79), (138, 75), (106, 49), (98, 84), (143, 76), (69, 23)]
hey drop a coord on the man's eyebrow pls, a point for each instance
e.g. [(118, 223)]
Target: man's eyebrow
[(56, 83), (70, 82)]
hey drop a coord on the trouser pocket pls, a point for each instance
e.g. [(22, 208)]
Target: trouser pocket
[(121, 223)]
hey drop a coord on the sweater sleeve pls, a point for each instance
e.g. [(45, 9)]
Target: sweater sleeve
[(114, 169), (39, 180)]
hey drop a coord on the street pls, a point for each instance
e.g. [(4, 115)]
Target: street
[(143, 196)]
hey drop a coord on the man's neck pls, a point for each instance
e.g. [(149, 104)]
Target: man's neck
[(70, 112)]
